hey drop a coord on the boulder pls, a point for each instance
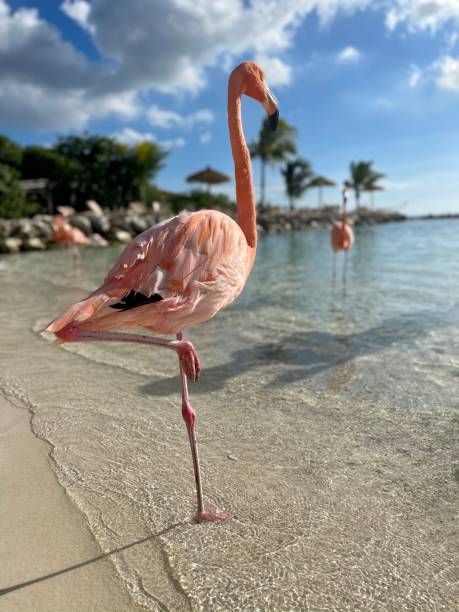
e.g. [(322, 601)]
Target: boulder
[(138, 224), (66, 211), (5, 228), (98, 240), (138, 208), (94, 208), (100, 223), (120, 235), (10, 245), (82, 223), (33, 244)]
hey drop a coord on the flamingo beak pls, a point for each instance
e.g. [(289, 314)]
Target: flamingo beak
[(272, 108)]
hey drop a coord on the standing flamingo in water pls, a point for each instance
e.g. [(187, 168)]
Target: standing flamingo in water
[(72, 237), (342, 236), (181, 271)]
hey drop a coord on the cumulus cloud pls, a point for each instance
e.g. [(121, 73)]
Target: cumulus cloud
[(166, 119), (448, 77), (205, 138), (349, 55), (79, 11), (277, 72), (415, 76), (168, 47), (422, 14), (131, 137)]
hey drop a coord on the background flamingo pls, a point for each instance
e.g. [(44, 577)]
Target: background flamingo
[(72, 237), (342, 236), (182, 271)]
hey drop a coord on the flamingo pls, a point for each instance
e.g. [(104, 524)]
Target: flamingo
[(181, 272), (342, 236), (72, 237)]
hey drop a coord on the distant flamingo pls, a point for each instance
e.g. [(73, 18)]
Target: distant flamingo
[(342, 236), (182, 271), (72, 237)]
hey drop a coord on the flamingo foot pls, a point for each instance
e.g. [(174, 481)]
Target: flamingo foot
[(212, 517), (189, 360)]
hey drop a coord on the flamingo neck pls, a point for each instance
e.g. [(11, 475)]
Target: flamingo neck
[(245, 195)]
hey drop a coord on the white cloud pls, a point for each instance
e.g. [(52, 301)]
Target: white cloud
[(165, 119), (448, 78), (132, 137), (79, 11), (415, 76), (422, 14), (349, 55), (277, 72), (205, 138), (174, 143), (46, 83)]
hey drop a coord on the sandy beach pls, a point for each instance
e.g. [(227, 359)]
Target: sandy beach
[(50, 560), (330, 439)]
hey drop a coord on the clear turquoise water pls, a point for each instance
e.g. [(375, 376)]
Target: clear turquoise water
[(327, 424)]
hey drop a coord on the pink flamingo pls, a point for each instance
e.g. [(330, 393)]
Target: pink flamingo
[(342, 236), (72, 237), (181, 271)]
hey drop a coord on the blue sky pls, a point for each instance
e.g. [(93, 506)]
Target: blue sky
[(359, 79)]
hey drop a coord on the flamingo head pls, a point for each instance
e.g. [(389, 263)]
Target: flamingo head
[(249, 79)]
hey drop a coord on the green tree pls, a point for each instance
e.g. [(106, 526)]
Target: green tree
[(10, 153), (297, 174), (363, 177), (13, 203), (273, 147), (110, 172)]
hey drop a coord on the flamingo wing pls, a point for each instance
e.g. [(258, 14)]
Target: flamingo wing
[(177, 273)]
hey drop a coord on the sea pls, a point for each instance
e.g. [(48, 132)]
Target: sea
[(327, 420)]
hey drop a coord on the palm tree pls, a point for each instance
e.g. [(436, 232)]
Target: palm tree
[(297, 173), (273, 147), (363, 177)]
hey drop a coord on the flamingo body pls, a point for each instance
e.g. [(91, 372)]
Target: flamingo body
[(192, 265), (342, 236), (63, 232)]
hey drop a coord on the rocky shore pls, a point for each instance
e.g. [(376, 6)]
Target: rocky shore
[(121, 225)]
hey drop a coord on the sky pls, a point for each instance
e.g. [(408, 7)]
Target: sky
[(359, 80)]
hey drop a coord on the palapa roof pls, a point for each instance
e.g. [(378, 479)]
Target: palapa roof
[(321, 181), (209, 176)]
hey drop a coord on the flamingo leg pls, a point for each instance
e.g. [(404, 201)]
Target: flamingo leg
[(334, 269), (185, 350), (189, 416), (345, 267)]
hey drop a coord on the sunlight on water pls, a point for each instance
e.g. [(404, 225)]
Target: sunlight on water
[(326, 420)]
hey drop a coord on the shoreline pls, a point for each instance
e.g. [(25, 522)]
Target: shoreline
[(50, 558)]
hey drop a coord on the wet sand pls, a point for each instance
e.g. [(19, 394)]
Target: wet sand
[(42, 533)]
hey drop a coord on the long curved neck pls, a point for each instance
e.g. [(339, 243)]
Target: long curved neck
[(245, 195)]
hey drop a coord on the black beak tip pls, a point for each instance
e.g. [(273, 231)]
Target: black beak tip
[(273, 120)]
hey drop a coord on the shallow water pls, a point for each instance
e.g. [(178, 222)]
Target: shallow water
[(327, 422)]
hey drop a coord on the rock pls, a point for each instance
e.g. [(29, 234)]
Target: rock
[(66, 211), (100, 223), (10, 245), (82, 223), (138, 208), (98, 240), (5, 228), (121, 235), (138, 224), (44, 229), (95, 208), (33, 244)]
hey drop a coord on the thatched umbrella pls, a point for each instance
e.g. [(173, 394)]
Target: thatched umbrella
[(372, 188), (209, 176), (321, 181)]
